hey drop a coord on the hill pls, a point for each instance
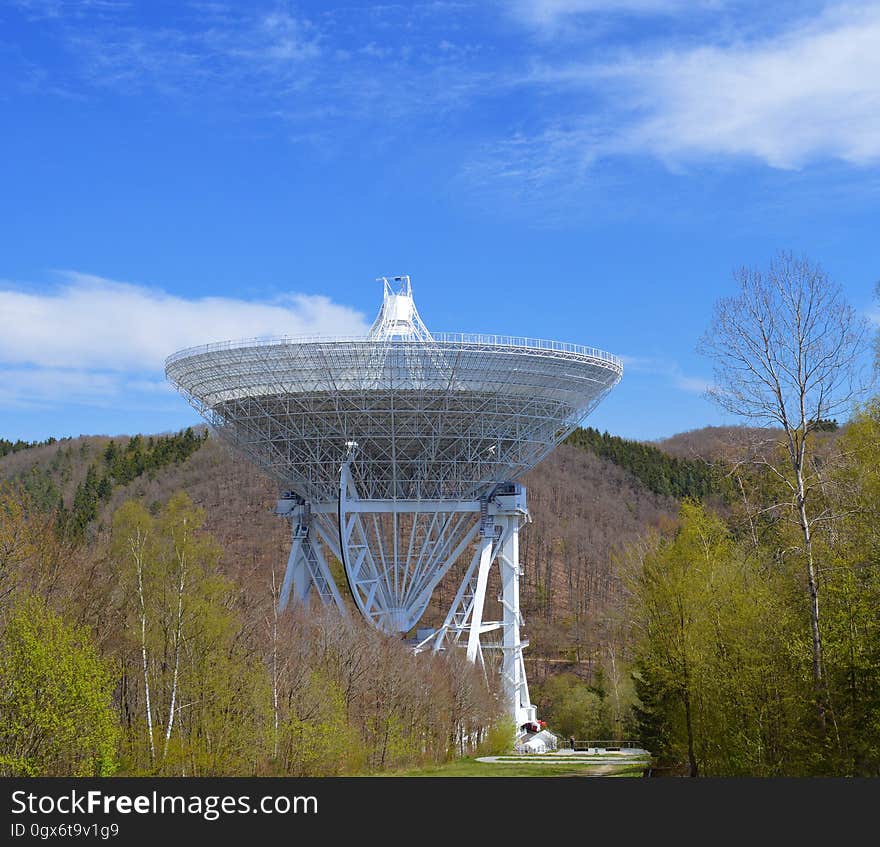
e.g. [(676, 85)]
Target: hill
[(729, 443), (711, 443), (590, 497), (715, 582)]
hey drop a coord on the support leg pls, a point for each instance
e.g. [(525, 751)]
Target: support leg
[(296, 576), (513, 674), (473, 645), (460, 608)]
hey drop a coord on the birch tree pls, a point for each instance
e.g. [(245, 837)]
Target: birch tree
[(273, 630), (787, 349), (178, 521), (132, 533), (177, 606)]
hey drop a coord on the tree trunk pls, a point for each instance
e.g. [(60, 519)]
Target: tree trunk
[(138, 557), (175, 674), (274, 668), (693, 770), (813, 587), (686, 697)]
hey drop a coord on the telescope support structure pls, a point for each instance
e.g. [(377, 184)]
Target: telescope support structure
[(395, 553)]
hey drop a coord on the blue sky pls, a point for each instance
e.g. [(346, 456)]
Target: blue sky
[(173, 173)]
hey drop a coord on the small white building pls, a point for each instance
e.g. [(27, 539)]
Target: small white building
[(540, 742)]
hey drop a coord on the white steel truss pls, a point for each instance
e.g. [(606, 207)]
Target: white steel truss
[(398, 317)]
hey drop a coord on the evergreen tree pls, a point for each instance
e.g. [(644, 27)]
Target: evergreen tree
[(658, 471)]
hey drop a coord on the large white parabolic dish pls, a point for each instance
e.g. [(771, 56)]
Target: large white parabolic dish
[(443, 416)]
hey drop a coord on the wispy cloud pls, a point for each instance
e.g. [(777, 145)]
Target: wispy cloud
[(48, 9), (334, 68), (808, 94), (93, 339), (691, 384), (209, 48), (812, 93), (796, 85), (61, 388), (549, 14), (559, 158), (668, 370)]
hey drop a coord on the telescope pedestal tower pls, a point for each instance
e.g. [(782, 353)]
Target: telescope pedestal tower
[(490, 526)]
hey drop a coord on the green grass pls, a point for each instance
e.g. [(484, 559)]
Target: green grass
[(471, 767)]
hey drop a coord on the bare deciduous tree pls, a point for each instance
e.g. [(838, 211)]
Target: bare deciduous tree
[(787, 350)]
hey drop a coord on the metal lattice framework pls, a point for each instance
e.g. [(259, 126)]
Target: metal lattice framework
[(394, 447)]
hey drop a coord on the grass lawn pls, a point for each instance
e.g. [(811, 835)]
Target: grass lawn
[(471, 767)]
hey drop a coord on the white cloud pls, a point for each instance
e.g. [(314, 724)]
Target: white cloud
[(90, 322), (811, 93), (814, 92), (93, 339)]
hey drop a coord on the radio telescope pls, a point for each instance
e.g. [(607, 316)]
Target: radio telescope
[(398, 454)]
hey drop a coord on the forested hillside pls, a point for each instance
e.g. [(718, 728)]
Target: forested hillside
[(658, 471), (65, 500), (148, 563)]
